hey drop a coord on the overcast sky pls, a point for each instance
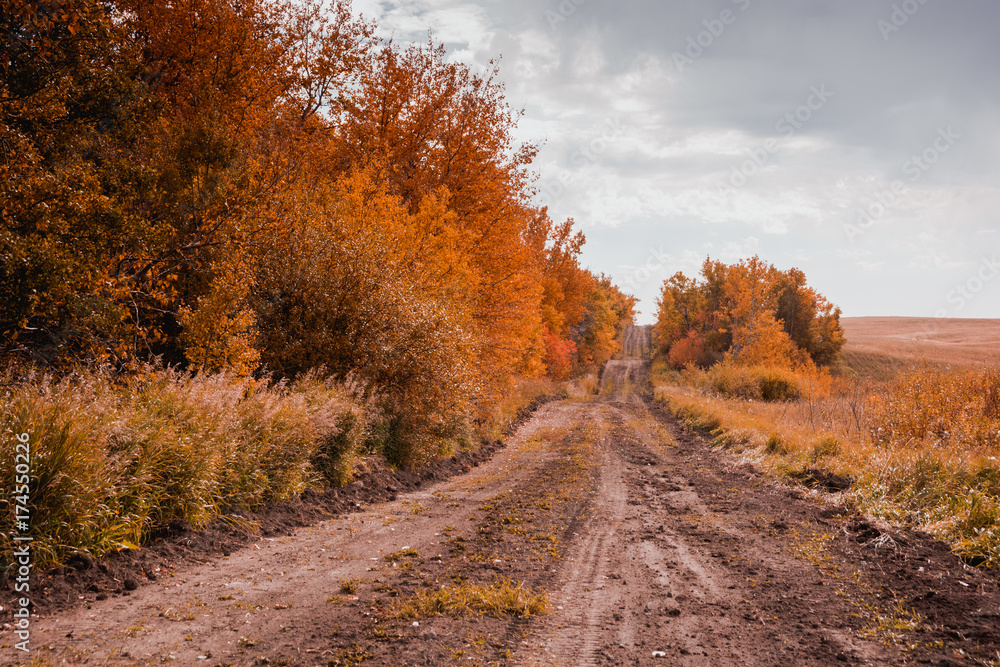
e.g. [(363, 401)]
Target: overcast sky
[(858, 140)]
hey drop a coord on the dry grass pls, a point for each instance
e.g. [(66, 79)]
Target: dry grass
[(757, 383), (583, 388), (503, 598), (113, 462), (922, 450), (498, 415), (115, 459)]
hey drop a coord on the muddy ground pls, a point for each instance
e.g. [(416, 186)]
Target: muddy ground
[(650, 546)]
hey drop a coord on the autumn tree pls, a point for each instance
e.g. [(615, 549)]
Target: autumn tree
[(264, 188), (608, 312), (242, 88), (142, 140), (749, 312), (425, 123), (566, 286), (583, 315), (71, 112), (810, 321), (681, 309)]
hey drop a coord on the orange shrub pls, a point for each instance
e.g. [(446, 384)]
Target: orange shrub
[(559, 354), (690, 350)]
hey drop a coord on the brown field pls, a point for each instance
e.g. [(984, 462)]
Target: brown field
[(881, 346)]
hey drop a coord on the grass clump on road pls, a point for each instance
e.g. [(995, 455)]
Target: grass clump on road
[(349, 586), (405, 552), (502, 598)]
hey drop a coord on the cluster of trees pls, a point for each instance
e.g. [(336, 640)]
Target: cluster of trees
[(748, 312), (264, 185)]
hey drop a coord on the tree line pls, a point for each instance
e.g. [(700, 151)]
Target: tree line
[(266, 187)]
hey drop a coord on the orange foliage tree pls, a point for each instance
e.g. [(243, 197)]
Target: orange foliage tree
[(749, 312), (264, 187)]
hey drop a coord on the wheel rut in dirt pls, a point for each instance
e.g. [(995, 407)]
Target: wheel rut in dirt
[(645, 581)]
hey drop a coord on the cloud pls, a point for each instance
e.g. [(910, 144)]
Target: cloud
[(685, 164)]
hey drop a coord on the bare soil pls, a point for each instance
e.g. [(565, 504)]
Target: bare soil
[(653, 548)]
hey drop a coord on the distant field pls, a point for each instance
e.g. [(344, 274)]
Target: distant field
[(881, 346)]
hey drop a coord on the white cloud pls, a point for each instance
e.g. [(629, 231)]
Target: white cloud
[(655, 182)]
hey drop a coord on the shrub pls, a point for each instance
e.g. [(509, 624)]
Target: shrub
[(754, 383), (777, 384), (691, 351), (733, 382)]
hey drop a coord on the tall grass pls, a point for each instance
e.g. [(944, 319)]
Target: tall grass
[(116, 460), (114, 463), (922, 450)]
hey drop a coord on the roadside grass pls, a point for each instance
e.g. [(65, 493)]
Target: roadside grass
[(920, 451), (583, 388), (115, 460), (499, 599)]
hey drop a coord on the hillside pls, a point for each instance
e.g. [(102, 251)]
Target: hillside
[(880, 346)]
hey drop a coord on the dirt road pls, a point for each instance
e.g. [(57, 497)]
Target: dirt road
[(637, 342), (652, 548)]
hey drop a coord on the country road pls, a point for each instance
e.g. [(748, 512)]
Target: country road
[(653, 548)]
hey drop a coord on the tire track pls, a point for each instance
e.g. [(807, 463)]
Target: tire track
[(574, 634), (665, 572)]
